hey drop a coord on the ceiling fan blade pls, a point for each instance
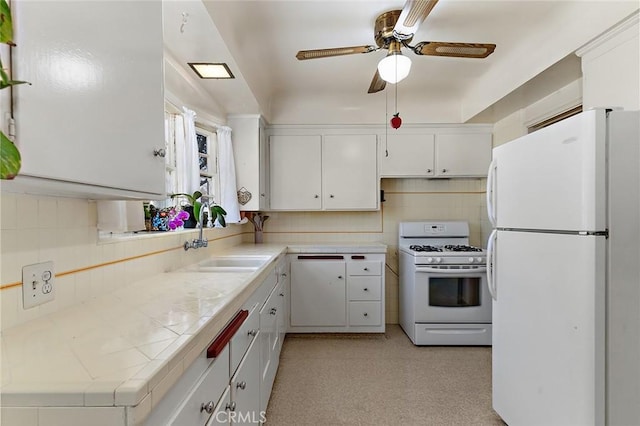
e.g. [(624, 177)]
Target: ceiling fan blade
[(456, 50), (336, 51), (377, 84), (412, 15)]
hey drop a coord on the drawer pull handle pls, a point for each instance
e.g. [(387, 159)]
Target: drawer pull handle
[(366, 269), (281, 294), (231, 406), (241, 385), (252, 332), (208, 407), (321, 257), (366, 289), (273, 311), (339, 277), (225, 336), (366, 314)]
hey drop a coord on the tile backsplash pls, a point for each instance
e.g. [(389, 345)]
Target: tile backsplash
[(64, 230)]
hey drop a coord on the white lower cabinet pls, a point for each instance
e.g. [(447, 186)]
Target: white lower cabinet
[(245, 389), (273, 320), (194, 397), (234, 387), (318, 291), (337, 293), (221, 414)]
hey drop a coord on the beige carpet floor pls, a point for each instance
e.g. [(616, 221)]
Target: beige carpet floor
[(331, 379)]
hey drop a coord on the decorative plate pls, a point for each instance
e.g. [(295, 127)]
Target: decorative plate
[(243, 196)]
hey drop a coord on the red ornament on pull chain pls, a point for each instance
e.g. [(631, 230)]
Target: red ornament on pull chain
[(396, 121)]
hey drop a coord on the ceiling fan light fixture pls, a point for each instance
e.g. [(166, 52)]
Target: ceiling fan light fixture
[(394, 67)]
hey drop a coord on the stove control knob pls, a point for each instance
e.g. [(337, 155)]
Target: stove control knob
[(479, 259), (438, 260), (429, 259), (471, 260)]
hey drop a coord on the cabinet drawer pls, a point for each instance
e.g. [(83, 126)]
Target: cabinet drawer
[(364, 268), (243, 338), (364, 288), (207, 391), (364, 313), (221, 414)]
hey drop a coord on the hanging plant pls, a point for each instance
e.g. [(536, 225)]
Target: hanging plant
[(10, 160)]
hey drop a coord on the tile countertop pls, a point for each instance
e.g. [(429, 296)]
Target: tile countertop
[(116, 349)]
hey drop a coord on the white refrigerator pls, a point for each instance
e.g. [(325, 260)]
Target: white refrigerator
[(563, 269)]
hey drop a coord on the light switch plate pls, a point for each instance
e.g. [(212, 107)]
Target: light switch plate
[(37, 284)]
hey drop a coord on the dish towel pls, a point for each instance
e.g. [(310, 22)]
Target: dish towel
[(227, 170)]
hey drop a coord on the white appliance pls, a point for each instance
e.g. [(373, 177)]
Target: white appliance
[(563, 271), (444, 299)]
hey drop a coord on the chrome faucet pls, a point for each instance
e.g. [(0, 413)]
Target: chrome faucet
[(201, 241)]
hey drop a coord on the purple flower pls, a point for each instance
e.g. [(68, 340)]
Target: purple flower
[(172, 225), (182, 215)]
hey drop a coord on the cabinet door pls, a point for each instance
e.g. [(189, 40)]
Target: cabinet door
[(250, 155), (267, 335), (94, 113), (463, 154), (295, 172), (318, 293), (349, 172), (245, 388), (221, 414), (281, 320), (409, 155)]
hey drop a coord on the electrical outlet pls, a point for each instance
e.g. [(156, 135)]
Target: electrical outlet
[(37, 284)]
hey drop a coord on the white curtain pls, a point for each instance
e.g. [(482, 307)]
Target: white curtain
[(228, 197), (187, 152)]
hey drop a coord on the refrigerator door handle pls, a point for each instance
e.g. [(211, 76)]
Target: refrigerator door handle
[(491, 201), (491, 279)]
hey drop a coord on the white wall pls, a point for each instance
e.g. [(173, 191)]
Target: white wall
[(611, 67)]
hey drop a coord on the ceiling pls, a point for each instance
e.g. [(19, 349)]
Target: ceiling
[(259, 40)]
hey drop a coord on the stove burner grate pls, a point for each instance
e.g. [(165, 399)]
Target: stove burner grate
[(461, 247), (424, 248)]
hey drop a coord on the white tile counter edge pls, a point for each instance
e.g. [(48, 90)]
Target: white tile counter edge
[(143, 388)]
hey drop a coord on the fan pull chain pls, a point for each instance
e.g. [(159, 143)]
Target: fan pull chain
[(386, 123)]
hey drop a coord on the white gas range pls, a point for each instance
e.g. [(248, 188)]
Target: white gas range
[(444, 299)]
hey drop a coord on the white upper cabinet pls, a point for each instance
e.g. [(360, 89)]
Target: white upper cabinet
[(323, 172), (437, 152), (407, 155), (93, 116), (349, 172), (295, 172), (251, 160), (463, 154)]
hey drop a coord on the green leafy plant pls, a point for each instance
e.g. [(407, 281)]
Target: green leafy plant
[(10, 159), (219, 212)]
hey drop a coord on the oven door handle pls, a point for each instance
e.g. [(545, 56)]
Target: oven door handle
[(431, 270)]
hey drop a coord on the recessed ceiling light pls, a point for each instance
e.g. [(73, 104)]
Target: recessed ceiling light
[(210, 70)]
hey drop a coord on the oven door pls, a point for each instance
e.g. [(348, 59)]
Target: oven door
[(451, 294)]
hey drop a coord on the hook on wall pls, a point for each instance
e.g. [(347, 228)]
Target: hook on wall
[(185, 17)]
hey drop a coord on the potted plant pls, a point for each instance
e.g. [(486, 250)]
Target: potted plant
[(195, 206), (10, 160)]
